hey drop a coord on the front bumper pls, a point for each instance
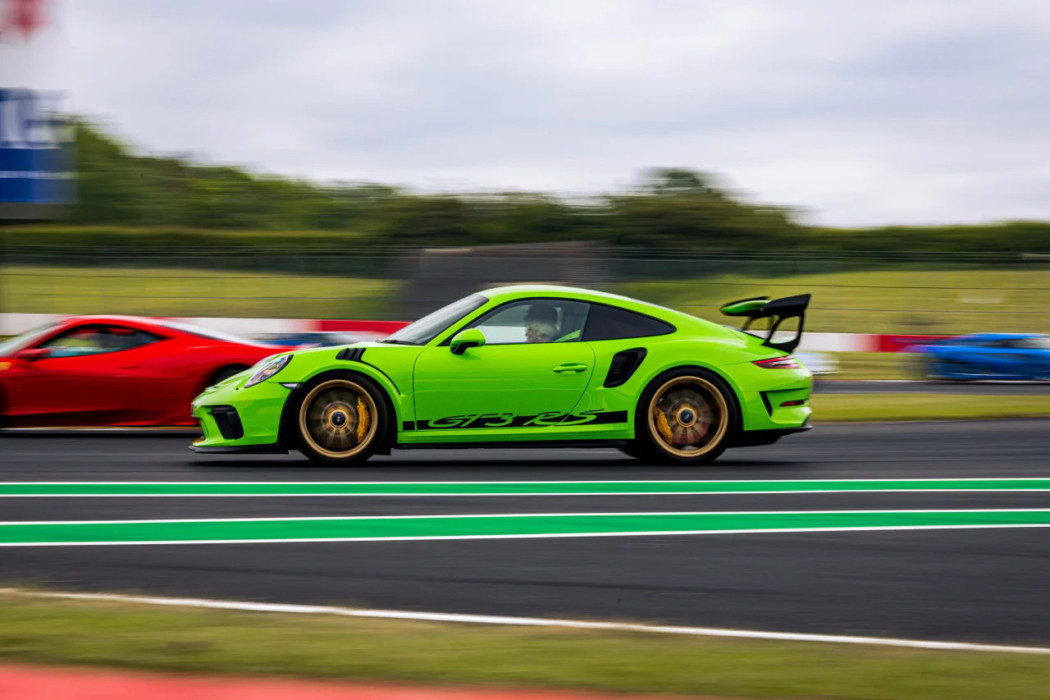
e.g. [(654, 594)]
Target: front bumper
[(233, 418)]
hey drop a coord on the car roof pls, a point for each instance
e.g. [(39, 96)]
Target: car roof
[(524, 291), (682, 321), (117, 320), (145, 323)]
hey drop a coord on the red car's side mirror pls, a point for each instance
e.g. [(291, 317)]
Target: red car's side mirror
[(32, 354)]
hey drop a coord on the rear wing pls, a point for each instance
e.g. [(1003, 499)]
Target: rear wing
[(777, 310)]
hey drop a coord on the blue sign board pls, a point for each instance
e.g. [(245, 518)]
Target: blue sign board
[(34, 159)]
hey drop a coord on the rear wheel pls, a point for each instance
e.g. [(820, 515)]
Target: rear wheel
[(685, 417), (341, 419)]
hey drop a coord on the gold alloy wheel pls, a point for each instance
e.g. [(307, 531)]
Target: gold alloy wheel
[(337, 419), (688, 416)]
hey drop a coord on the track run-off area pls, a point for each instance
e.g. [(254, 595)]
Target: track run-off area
[(929, 531)]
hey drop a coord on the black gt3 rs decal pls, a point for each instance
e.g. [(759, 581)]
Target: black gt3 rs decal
[(509, 420)]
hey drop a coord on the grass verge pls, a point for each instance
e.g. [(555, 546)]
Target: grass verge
[(212, 641), (873, 407), (190, 292), (878, 301), (869, 301)]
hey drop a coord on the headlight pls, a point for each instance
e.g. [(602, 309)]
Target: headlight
[(268, 370)]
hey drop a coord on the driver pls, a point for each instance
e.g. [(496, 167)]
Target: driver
[(541, 323)]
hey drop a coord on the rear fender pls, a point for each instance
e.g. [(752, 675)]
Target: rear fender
[(716, 355)]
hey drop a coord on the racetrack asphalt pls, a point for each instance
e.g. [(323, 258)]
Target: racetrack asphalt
[(984, 585)]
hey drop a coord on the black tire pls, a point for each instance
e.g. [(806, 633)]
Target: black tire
[(957, 368), (340, 419), (700, 418)]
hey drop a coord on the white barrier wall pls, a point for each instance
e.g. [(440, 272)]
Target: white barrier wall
[(839, 342), (15, 323)]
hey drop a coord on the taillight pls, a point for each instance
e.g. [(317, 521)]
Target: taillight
[(787, 362)]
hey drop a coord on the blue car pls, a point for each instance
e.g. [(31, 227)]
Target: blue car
[(1023, 356), (310, 339)]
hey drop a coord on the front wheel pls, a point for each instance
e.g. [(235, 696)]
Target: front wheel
[(341, 420), (685, 417)]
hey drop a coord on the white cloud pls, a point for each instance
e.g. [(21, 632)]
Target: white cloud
[(859, 112)]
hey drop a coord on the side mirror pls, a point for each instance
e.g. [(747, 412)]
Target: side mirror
[(33, 354), (469, 338)]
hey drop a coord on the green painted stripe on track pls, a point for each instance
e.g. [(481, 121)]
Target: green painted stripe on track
[(509, 488), (528, 525)]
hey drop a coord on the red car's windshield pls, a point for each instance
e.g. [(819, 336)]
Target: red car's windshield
[(20, 341)]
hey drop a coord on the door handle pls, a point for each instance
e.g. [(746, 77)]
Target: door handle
[(570, 367)]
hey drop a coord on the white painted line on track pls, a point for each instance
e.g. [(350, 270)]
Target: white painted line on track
[(508, 620), (523, 494), (507, 495), (544, 536), (554, 515), (531, 483)]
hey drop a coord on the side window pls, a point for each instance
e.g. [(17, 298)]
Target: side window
[(611, 323), (95, 340), (534, 321), (136, 339)]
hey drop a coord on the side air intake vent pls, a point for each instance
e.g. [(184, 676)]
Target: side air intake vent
[(228, 422), (350, 354), (624, 363)]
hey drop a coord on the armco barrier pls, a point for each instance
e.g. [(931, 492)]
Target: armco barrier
[(14, 323), (900, 343)]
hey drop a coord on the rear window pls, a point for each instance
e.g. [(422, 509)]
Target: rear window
[(611, 323)]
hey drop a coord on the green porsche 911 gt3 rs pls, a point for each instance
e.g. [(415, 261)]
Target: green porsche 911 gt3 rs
[(522, 366)]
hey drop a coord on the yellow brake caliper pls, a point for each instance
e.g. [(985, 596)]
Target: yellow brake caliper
[(364, 419), (662, 426)]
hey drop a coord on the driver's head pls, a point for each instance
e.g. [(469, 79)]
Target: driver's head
[(541, 323)]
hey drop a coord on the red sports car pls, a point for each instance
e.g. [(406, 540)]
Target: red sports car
[(115, 370)]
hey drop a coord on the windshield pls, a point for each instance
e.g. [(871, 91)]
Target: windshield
[(207, 333), (427, 328), (19, 341), (1035, 343)]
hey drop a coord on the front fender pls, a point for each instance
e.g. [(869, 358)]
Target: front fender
[(399, 404)]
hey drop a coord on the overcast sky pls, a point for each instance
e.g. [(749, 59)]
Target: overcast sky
[(854, 112)]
